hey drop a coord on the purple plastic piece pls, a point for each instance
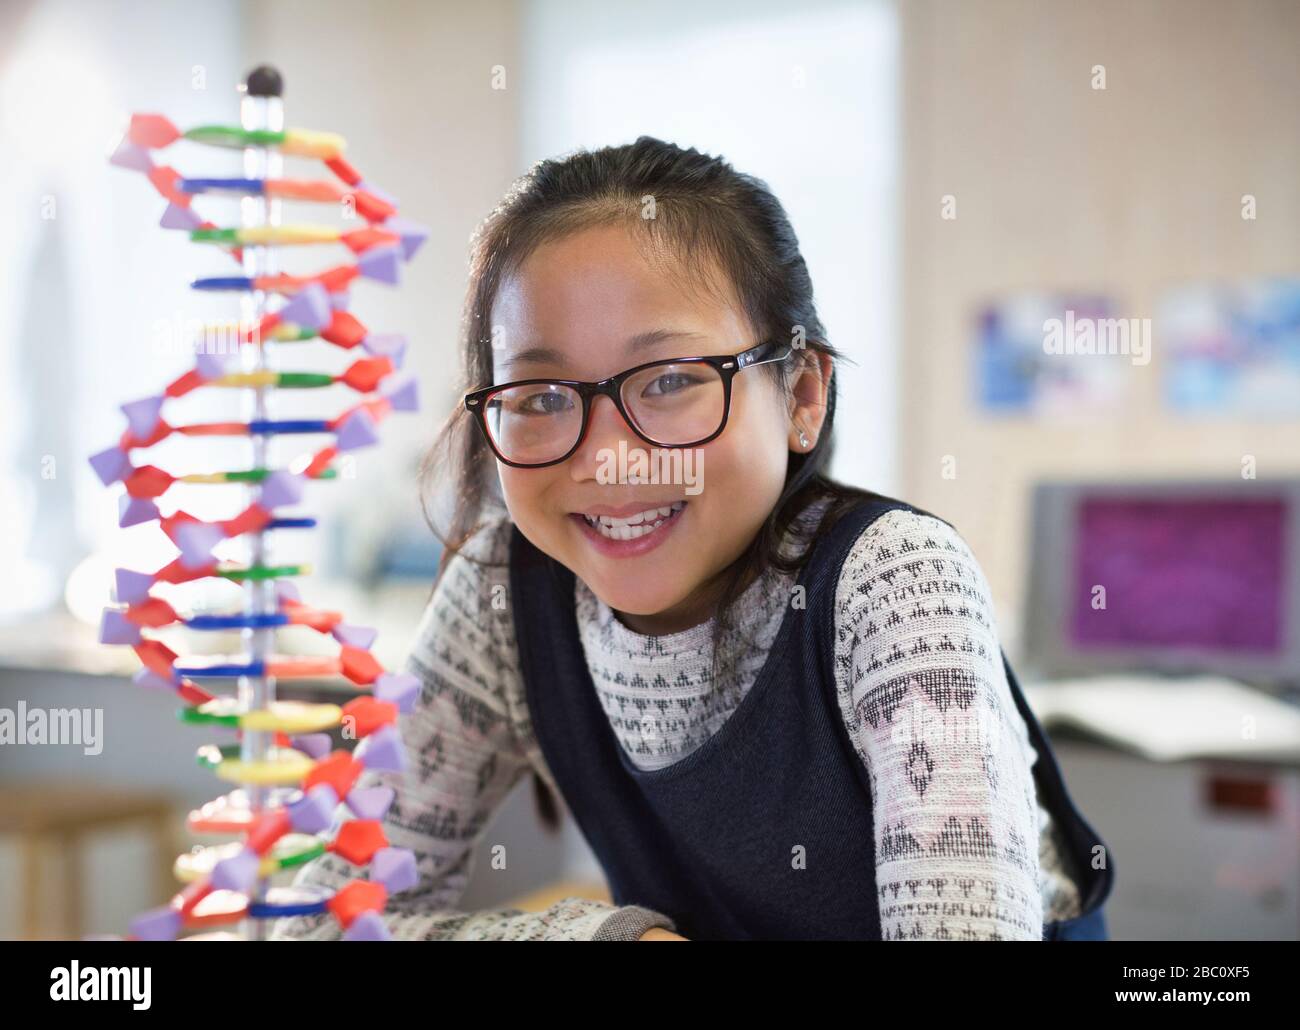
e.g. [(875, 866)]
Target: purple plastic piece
[(236, 873), (196, 541), (110, 465), (385, 344), (314, 811), (177, 217), (354, 636), (413, 235), (370, 802), (367, 927), (158, 924), (382, 750), (280, 490), (131, 157), (383, 264), (142, 415), (150, 680), (116, 628), (132, 587), (285, 590), (316, 745), (210, 366), (309, 308), (358, 430), (131, 511), (394, 868), (405, 397), (340, 300), (401, 688)]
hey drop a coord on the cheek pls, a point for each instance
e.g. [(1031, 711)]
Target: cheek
[(523, 490)]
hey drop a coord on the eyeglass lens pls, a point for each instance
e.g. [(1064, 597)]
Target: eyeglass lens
[(673, 404)]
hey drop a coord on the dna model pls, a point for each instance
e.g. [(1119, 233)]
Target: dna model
[(288, 783)]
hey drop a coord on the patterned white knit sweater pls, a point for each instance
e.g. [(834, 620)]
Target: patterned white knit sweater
[(964, 850)]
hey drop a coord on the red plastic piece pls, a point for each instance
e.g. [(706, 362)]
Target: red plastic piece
[(158, 658), (191, 380), (175, 572), (362, 240), (344, 330), (250, 520), (365, 375), (340, 770), (359, 666), (267, 828), (164, 180), (148, 481), (321, 461), (343, 170), (153, 613), (192, 895), (369, 714), (152, 131), (371, 208), (193, 693), (358, 840), (356, 898)]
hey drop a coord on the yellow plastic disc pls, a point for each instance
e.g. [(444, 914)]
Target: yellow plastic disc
[(312, 143), (284, 766), (292, 717), (262, 234)]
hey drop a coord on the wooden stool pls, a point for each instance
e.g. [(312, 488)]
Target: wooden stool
[(63, 814)]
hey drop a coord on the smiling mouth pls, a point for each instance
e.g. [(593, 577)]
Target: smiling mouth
[(640, 524)]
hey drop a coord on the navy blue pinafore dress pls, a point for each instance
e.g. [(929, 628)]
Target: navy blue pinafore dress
[(709, 839)]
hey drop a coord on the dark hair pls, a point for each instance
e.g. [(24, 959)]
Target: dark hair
[(702, 210)]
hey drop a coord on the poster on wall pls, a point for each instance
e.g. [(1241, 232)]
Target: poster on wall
[(1043, 353), (1232, 348)]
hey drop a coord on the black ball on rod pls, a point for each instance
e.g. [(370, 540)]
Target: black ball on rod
[(264, 81)]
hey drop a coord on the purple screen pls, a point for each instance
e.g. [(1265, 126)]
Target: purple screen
[(1206, 573)]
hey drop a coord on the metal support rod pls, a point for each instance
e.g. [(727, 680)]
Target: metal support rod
[(261, 107)]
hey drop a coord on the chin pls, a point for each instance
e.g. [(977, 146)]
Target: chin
[(635, 599)]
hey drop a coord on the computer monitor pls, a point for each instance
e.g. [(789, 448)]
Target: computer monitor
[(1177, 577)]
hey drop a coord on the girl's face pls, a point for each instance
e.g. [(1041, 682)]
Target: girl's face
[(585, 297)]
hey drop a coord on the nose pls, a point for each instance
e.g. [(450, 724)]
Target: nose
[(605, 429)]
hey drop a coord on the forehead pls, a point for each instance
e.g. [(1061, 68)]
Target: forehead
[(587, 294)]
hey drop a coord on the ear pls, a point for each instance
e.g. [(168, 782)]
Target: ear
[(811, 388)]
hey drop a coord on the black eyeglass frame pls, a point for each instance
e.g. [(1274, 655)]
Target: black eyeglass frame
[(727, 365)]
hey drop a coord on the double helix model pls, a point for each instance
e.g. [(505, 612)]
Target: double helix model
[(288, 782)]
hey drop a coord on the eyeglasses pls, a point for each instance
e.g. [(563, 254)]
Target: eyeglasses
[(680, 402)]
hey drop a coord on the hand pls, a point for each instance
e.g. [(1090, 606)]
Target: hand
[(658, 933)]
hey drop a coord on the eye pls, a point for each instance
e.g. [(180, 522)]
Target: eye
[(543, 402), (669, 383)]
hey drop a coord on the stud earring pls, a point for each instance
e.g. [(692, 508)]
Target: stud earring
[(803, 438)]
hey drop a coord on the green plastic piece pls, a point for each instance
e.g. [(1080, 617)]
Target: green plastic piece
[(214, 236), (302, 857), (234, 136), (195, 717), (260, 572), (306, 379)]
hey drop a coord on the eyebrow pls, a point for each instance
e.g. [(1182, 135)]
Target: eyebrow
[(551, 356)]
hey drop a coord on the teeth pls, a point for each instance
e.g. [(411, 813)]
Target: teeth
[(632, 526)]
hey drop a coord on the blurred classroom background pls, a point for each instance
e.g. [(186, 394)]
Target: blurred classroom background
[(959, 173)]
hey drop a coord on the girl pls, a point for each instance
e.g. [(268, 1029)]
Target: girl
[(776, 705)]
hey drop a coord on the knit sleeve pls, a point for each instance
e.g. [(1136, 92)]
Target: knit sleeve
[(468, 743), (925, 698)]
